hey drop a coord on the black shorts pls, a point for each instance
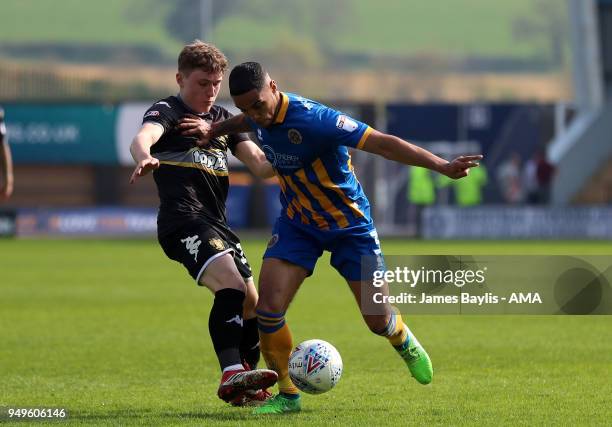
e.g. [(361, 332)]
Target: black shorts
[(198, 243)]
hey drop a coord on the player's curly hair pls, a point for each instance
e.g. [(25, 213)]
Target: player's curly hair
[(202, 55)]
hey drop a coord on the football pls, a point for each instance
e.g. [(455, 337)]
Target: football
[(315, 366)]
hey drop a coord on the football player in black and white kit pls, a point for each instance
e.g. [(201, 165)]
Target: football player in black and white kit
[(192, 229)]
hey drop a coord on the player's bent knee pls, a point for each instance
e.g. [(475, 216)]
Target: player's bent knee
[(222, 274), (269, 303), (268, 306), (234, 284), (216, 285)]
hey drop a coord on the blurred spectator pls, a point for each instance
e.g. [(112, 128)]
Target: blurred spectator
[(6, 163), (421, 189), (538, 176), (468, 191), (509, 179), (421, 192), (530, 181), (545, 173)]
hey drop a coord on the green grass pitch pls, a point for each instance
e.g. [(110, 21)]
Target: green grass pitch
[(117, 334)]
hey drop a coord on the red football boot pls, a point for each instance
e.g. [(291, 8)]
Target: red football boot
[(252, 398), (237, 382)]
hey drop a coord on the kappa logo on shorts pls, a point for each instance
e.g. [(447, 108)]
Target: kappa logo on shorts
[(192, 244), (216, 243), (273, 241)]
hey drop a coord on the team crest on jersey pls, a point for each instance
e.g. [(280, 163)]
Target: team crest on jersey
[(294, 136), (216, 243), (273, 240), (346, 123)]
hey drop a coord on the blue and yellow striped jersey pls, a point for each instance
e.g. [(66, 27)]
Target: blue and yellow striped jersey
[(307, 145)]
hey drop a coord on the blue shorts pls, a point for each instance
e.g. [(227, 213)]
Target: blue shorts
[(355, 251)]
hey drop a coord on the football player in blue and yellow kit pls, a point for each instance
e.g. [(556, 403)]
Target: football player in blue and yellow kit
[(323, 208)]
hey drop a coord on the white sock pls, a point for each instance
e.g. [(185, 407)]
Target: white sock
[(233, 368)]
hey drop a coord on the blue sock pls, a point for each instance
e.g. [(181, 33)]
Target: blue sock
[(290, 396)]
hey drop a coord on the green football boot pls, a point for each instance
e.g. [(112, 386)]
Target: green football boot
[(416, 358), (279, 405)]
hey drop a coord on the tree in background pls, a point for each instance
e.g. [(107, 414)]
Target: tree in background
[(546, 25), (184, 23), (296, 45)]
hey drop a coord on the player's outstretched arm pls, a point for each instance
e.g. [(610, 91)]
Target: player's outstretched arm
[(235, 124), (140, 149), (203, 131), (197, 127), (393, 148), (251, 155)]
